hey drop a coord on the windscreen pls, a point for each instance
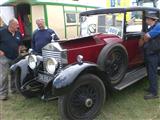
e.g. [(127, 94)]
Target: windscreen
[(102, 23)]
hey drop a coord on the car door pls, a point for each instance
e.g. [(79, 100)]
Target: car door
[(132, 33)]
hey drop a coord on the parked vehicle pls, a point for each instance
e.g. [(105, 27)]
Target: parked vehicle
[(81, 71)]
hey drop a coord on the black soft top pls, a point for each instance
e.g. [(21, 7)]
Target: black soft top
[(117, 10)]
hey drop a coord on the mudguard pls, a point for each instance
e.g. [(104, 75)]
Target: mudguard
[(69, 74), (23, 65)]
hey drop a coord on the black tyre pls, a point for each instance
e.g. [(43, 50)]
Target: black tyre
[(18, 83), (113, 59), (85, 100)]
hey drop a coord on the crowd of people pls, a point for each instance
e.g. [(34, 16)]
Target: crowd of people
[(11, 42)]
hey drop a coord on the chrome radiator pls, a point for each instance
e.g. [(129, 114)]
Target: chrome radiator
[(52, 54)]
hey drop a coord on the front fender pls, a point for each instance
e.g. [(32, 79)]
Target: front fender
[(23, 65), (70, 73)]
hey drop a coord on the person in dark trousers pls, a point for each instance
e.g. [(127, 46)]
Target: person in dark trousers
[(151, 47), (42, 36), (10, 39)]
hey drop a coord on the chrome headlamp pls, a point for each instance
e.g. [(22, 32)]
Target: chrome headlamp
[(51, 65), (32, 61)]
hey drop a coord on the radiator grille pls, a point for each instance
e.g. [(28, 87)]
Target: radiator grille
[(52, 54)]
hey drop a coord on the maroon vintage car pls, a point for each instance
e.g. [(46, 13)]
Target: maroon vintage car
[(80, 71)]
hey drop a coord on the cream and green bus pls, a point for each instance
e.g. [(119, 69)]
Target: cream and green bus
[(63, 18)]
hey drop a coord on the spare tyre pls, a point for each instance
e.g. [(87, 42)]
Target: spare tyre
[(113, 59)]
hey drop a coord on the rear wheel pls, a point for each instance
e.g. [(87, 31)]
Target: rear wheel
[(85, 100)]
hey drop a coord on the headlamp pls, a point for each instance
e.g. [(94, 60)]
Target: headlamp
[(32, 61), (51, 65)]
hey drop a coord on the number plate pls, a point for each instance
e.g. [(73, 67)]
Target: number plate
[(44, 78)]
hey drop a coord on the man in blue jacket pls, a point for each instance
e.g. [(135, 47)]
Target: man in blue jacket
[(42, 36), (10, 39), (151, 47)]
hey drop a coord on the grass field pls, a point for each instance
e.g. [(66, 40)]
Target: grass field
[(124, 105)]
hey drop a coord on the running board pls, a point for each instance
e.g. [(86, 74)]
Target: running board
[(132, 77)]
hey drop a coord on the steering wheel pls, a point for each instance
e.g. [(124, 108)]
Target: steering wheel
[(92, 28)]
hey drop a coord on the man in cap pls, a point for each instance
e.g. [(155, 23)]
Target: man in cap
[(151, 56)]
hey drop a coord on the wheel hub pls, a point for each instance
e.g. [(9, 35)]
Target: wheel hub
[(88, 102), (115, 66)]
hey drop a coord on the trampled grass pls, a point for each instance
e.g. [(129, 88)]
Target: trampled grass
[(124, 105)]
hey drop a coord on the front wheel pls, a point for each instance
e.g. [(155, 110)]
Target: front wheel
[(28, 91), (85, 100)]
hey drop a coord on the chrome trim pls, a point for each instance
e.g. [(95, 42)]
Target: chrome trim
[(51, 54)]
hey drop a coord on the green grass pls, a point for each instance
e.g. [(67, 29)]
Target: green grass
[(124, 105)]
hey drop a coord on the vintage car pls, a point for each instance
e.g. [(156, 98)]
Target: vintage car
[(80, 72)]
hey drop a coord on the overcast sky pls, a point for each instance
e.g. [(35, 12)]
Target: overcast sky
[(2, 1)]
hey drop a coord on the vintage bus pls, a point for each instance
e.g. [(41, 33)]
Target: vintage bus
[(60, 16)]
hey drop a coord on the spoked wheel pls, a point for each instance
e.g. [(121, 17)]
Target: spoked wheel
[(30, 90), (85, 100), (114, 61), (115, 64)]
